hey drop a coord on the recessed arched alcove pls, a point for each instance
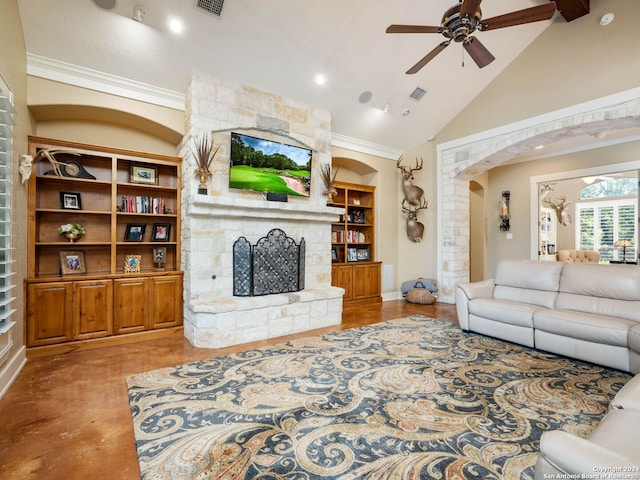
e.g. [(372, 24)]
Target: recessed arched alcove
[(461, 160)]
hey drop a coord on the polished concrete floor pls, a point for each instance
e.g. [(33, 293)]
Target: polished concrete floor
[(67, 416)]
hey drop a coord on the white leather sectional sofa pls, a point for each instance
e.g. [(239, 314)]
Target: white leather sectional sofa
[(611, 451), (586, 311)]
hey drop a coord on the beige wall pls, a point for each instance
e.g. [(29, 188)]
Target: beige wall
[(13, 69), (67, 112)]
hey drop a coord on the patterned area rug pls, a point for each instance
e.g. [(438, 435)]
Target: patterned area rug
[(413, 398)]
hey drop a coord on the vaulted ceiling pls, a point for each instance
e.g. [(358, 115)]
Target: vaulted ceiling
[(280, 46)]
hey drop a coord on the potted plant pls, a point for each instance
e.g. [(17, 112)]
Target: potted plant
[(71, 231), (204, 154)]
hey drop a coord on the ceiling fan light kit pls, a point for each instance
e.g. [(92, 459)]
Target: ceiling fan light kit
[(463, 19)]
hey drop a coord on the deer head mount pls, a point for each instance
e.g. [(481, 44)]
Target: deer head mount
[(412, 193), (544, 190), (561, 207), (415, 229)]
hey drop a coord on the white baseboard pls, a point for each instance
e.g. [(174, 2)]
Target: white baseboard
[(11, 369), (391, 296)]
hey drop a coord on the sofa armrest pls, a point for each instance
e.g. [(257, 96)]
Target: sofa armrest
[(468, 291), (562, 452)]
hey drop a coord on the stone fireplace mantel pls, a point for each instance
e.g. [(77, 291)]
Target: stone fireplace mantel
[(206, 205)]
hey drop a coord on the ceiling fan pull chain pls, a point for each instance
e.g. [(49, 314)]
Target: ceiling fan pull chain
[(462, 57)]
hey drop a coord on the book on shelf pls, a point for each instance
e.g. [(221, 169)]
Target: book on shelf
[(142, 204)]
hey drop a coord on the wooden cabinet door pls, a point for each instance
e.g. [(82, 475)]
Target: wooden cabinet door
[(165, 301), (374, 289), (360, 281), (49, 313), (92, 309), (342, 276), (131, 309)]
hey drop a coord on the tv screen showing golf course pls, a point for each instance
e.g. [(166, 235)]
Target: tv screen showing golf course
[(271, 167)]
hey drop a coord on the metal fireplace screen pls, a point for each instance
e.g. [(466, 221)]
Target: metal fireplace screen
[(275, 264)]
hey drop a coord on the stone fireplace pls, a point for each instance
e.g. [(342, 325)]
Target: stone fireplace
[(212, 223)]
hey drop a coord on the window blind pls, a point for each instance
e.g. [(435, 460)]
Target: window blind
[(6, 175), (601, 224)]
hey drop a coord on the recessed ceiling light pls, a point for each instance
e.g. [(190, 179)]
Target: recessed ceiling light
[(320, 79), (538, 147), (175, 25), (365, 96), (105, 4), (606, 19), (406, 112)]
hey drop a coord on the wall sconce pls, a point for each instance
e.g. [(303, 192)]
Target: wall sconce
[(504, 211)]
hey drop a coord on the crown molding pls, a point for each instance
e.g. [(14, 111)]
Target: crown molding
[(363, 146), (63, 72)]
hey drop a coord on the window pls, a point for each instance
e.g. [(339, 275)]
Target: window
[(6, 173), (603, 223)]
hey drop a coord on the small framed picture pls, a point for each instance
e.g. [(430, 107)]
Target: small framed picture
[(144, 174), (352, 254), (70, 201), (161, 232), (334, 254), (72, 262), (159, 257), (132, 264), (134, 232), (362, 254)]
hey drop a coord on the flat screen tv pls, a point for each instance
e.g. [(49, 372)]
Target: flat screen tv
[(270, 167)]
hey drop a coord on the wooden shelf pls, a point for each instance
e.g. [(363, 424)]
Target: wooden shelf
[(353, 245), (85, 306)]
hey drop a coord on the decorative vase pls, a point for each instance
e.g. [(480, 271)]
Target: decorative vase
[(72, 237), (202, 188)]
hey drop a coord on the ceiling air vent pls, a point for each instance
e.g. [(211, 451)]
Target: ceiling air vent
[(214, 7), (417, 94)]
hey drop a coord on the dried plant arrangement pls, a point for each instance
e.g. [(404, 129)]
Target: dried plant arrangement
[(328, 180), (204, 154)]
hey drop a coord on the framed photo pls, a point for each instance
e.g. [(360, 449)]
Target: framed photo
[(70, 201), (357, 216), (161, 232), (72, 262), (132, 264), (134, 232), (362, 254), (143, 174), (159, 255), (334, 254), (352, 254)]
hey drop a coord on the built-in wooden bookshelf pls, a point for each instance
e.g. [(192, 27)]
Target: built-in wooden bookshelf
[(353, 245), (121, 277)]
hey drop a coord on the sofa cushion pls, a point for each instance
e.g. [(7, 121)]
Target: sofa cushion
[(529, 274), (619, 282), (527, 281), (628, 396), (607, 307), (513, 313), (584, 326)]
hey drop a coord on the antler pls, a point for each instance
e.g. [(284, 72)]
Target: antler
[(406, 169), (559, 203), (423, 205)]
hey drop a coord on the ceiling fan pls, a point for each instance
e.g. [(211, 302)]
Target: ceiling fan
[(464, 18)]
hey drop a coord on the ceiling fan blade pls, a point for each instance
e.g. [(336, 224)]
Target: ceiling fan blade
[(428, 57), (528, 15), (413, 29), (478, 52), (469, 7)]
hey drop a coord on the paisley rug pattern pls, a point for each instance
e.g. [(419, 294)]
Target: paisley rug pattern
[(412, 398)]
